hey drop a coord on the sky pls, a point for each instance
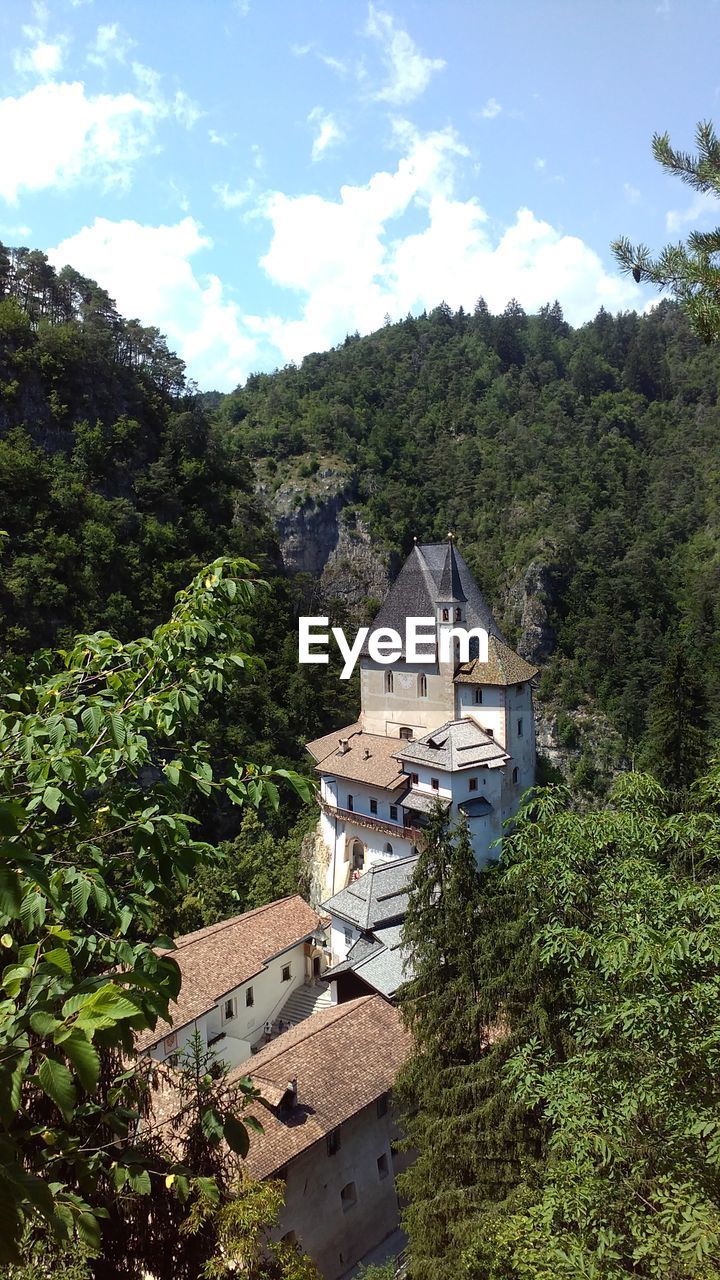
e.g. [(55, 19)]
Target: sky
[(259, 178)]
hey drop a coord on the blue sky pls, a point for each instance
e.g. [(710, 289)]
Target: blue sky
[(259, 177)]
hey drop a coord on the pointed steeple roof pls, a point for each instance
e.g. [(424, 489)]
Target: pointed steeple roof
[(430, 571), (450, 586)]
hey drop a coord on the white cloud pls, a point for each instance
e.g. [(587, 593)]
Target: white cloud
[(408, 69), (703, 204), (149, 273), (539, 164), (57, 134), (42, 58), (327, 131), (15, 234), (218, 139), (352, 271), (491, 109), (233, 198), (632, 194), (110, 45)]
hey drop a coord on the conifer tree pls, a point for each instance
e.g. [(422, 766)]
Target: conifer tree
[(676, 743), (468, 948), (689, 271)]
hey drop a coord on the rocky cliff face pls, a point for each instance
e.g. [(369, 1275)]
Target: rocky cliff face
[(529, 603), (320, 534)]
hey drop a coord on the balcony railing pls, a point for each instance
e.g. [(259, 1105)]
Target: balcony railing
[(400, 830)]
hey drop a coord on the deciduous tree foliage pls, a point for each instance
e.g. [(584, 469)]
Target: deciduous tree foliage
[(99, 762), (624, 908)]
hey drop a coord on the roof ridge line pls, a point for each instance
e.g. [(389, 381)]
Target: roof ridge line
[(193, 937)]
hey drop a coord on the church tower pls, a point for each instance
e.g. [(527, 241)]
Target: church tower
[(458, 731)]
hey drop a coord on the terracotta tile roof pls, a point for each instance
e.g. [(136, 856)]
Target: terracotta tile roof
[(343, 1058), (504, 666), (369, 758), (215, 960)]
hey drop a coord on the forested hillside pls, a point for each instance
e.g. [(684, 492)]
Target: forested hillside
[(588, 456), (116, 487), (591, 453)]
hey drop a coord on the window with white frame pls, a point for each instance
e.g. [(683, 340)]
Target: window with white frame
[(286, 973), (229, 1009)]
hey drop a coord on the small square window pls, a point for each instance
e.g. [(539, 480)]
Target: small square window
[(286, 973), (414, 778), (473, 784), (435, 784), (229, 1010), (382, 1105), (348, 1196), (249, 998), (373, 806), (383, 1166), (333, 1142), (393, 812)]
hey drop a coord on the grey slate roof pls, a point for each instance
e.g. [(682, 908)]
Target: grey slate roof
[(476, 807), (423, 802), (378, 897), (381, 961), (429, 573), (458, 744)]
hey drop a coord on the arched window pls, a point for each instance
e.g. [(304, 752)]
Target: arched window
[(515, 775), (388, 681), (422, 686), (478, 697), (458, 615), (388, 847), (406, 733), (446, 615)]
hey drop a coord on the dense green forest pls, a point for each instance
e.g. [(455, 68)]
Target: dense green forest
[(590, 453)]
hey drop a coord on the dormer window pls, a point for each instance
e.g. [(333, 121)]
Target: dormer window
[(388, 681), (422, 686), (446, 615)]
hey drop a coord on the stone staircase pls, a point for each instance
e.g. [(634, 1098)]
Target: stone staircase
[(304, 1001)]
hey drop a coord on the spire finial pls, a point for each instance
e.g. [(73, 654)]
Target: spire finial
[(451, 537), (414, 538)]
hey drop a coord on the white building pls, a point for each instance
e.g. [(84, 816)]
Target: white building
[(244, 980), (460, 732)]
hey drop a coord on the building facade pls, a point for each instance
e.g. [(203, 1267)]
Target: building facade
[(448, 729)]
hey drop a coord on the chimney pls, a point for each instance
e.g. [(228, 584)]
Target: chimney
[(290, 1096), (366, 753), (344, 747)]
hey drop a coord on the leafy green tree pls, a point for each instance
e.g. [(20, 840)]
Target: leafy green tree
[(99, 762), (625, 909), (690, 271)]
